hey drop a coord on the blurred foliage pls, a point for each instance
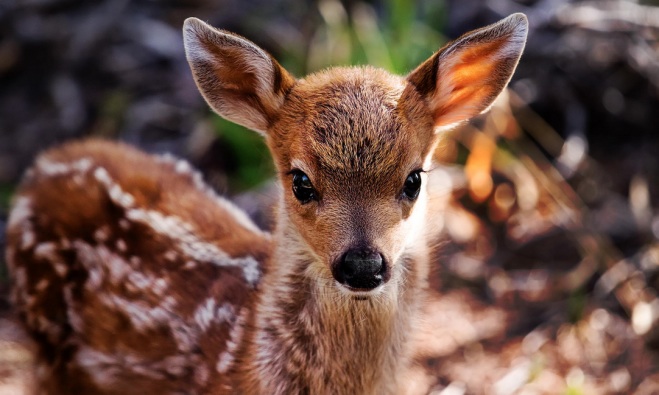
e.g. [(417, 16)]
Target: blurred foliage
[(576, 304), (404, 35), (575, 385), (6, 192), (4, 271), (111, 113), (252, 159)]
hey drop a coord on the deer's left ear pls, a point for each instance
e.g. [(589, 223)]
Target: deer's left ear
[(239, 80), (466, 76)]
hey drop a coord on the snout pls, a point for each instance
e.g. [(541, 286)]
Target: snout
[(361, 269)]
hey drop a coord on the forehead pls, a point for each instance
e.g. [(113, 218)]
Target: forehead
[(351, 121)]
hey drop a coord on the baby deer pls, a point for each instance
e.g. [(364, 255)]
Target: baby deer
[(133, 277)]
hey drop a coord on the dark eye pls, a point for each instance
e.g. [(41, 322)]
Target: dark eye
[(412, 185), (302, 188)]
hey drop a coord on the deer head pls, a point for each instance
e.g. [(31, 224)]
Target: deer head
[(352, 145)]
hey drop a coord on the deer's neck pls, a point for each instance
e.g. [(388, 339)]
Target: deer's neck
[(310, 337)]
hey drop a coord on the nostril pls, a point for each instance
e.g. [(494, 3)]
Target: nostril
[(362, 269)]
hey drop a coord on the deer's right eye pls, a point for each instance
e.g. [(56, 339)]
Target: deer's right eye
[(302, 187), (412, 185)]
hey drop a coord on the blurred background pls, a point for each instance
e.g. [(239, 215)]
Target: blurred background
[(548, 267)]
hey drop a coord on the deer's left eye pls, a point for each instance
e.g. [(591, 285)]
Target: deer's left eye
[(412, 185), (302, 187)]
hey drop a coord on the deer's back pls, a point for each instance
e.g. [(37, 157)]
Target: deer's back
[(129, 272)]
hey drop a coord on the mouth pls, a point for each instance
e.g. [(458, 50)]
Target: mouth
[(359, 293)]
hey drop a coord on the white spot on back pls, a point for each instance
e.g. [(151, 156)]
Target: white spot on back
[(170, 255), (187, 241), (117, 195), (176, 365), (65, 243), (106, 369), (184, 168), (201, 375), (101, 367), (121, 245), (27, 238), (224, 362), (208, 314), (20, 218), (124, 224), (135, 260), (46, 251), (225, 359), (20, 278), (104, 265), (102, 234), (60, 268), (42, 285), (49, 168), (72, 315), (142, 315), (183, 232)]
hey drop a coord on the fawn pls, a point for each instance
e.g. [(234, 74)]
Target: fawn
[(133, 277)]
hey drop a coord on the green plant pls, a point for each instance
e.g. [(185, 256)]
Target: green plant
[(253, 164), (6, 192), (576, 305), (399, 37)]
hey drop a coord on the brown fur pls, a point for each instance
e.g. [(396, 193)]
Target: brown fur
[(134, 278), (72, 213)]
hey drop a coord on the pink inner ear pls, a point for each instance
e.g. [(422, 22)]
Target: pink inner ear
[(469, 80)]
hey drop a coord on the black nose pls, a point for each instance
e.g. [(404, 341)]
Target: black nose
[(361, 269)]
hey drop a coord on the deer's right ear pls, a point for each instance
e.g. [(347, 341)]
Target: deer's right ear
[(239, 80), (466, 76)]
